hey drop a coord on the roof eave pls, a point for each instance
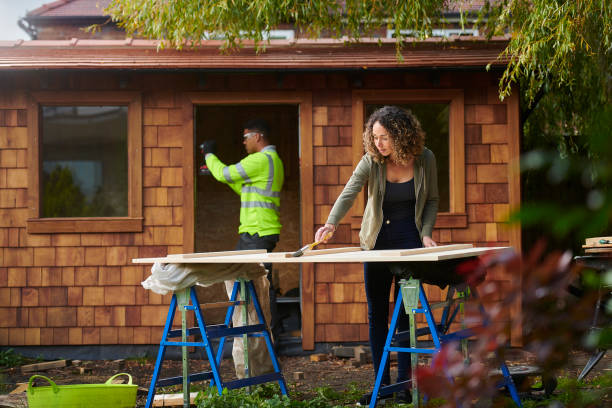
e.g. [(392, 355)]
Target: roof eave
[(300, 54)]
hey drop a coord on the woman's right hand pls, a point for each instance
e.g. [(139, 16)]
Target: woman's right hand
[(324, 231)]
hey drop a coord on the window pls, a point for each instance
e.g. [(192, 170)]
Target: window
[(272, 35), (439, 32), (86, 162), (441, 114)]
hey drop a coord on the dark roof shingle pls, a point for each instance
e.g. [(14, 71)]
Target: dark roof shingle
[(71, 8)]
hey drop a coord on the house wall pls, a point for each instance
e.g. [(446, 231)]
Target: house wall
[(81, 288), (68, 31)]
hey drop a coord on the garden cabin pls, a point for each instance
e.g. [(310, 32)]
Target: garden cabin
[(99, 164)]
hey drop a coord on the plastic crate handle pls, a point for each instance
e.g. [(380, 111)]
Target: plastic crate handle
[(117, 375), (50, 381)]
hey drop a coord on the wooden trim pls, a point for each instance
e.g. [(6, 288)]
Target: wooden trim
[(131, 223), (33, 156), (84, 225), (514, 198), (357, 129), (456, 157), (189, 175), (307, 220), (135, 156), (304, 101), (456, 143)]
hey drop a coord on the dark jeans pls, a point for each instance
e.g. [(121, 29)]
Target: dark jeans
[(378, 279), (268, 242)]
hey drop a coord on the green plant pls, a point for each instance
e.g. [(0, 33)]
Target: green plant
[(141, 360), (268, 396), (8, 358), (571, 392)]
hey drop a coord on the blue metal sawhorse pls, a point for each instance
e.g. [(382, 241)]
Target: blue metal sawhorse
[(185, 300), (411, 293)]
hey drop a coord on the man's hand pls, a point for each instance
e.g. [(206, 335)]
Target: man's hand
[(209, 146)]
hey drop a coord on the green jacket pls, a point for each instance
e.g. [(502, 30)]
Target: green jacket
[(258, 179), (426, 190)]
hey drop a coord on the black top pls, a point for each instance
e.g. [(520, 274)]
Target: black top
[(399, 229), (399, 201)]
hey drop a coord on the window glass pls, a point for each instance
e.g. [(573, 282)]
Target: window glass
[(434, 118), (84, 161)]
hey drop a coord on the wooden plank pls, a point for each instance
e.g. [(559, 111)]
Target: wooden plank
[(598, 246), (344, 257), (428, 250), (452, 255), (21, 387), (172, 400), (44, 366), (598, 250), (594, 242), (314, 252), (219, 253)]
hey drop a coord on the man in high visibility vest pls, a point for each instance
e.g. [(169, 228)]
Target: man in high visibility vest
[(258, 179)]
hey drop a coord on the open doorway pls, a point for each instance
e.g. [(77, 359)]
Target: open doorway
[(217, 207)]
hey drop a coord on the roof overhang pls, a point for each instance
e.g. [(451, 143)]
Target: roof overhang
[(83, 54)]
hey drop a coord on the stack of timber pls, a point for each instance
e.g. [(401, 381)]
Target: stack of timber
[(598, 245)]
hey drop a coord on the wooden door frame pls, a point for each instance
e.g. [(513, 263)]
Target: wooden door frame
[(304, 102)]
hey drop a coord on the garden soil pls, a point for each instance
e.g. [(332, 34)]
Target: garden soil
[(303, 376)]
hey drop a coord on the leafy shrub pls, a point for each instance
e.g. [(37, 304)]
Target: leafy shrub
[(8, 358)]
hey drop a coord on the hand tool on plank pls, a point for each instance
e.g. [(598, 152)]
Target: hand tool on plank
[(300, 251)]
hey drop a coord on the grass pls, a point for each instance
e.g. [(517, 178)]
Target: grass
[(569, 393), (141, 360)]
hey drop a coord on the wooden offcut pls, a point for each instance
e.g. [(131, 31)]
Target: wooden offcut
[(21, 387), (220, 253), (319, 357), (313, 252), (172, 400), (47, 365)]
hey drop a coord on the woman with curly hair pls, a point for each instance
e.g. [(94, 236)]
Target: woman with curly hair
[(400, 213)]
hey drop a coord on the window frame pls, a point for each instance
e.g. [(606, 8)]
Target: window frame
[(133, 221), (456, 216)]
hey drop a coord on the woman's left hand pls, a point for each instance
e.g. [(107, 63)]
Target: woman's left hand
[(428, 242)]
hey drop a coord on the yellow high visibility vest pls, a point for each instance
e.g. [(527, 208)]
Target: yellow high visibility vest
[(258, 179)]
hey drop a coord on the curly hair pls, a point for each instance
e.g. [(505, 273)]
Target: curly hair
[(407, 136)]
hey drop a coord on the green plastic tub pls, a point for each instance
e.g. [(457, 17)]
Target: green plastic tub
[(105, 395)]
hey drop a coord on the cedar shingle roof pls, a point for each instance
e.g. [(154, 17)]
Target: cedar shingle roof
[(456, 52)]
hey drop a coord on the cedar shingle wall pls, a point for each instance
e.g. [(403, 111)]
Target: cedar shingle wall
[(82, 288)]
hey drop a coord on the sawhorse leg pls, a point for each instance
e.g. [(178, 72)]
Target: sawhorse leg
[(181, 299), (248, 295), (411, 293), (187, 300)]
